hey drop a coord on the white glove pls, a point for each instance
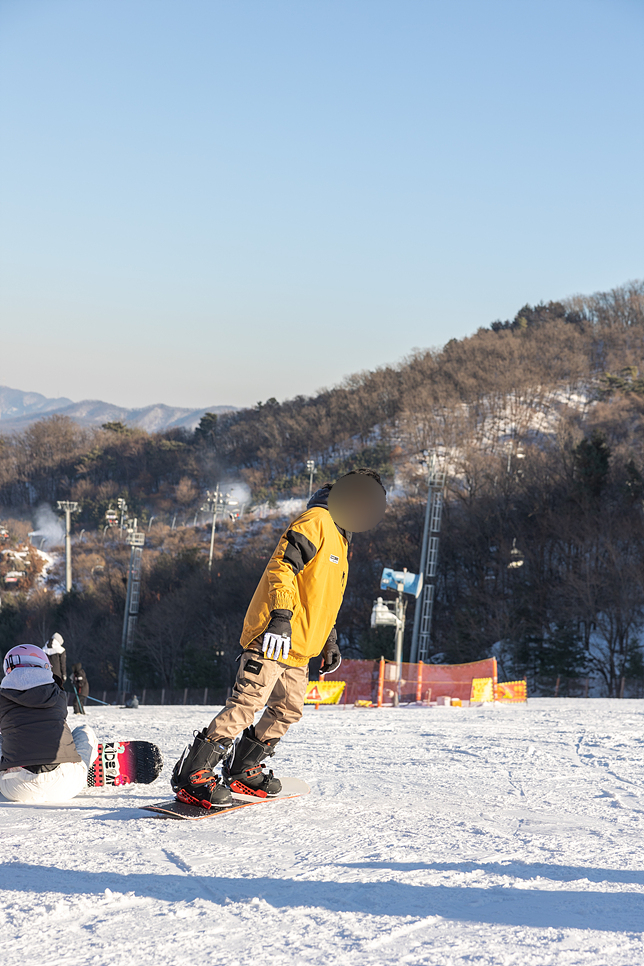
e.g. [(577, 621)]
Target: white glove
[(273, 644)]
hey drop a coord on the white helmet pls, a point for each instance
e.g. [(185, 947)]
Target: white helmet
[(25, 655), (54, 645)]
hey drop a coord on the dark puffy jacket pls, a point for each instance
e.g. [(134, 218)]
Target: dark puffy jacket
[(79, 680), (58, 661), (34, 727)]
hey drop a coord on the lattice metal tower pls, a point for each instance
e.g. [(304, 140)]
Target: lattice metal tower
[(428, 561)]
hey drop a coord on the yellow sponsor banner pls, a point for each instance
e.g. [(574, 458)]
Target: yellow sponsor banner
[(324, 692), (482, 689), (512, 691)]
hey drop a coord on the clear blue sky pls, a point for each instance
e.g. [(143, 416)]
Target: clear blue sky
[(209, 202)]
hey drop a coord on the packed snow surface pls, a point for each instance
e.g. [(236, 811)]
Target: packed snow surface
[(507, 834)]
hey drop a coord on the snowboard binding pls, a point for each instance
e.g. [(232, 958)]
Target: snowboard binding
[(194, 781), (243, 772)]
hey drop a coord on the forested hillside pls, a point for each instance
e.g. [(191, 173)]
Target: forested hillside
[(539, 421)]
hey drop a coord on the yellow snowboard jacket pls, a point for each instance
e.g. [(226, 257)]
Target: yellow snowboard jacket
[(307, 574)]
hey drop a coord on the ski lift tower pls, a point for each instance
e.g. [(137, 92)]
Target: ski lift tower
[(136, 539), (428, 561)]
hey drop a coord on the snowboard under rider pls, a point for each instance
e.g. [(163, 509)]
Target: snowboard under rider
[(42, 760), (291, 619)]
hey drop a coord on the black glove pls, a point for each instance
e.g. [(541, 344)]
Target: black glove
[(331, 657), (280, 623), (276, 642)]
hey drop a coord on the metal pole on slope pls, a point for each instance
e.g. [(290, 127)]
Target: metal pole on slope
[(212, 532), (400, 631), (126, 614), (381, 682), (210, 506), (69, 508), (215, 503), (68, 549), (136, 540)]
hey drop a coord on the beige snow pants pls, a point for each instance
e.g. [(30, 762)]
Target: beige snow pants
[(262, 683)]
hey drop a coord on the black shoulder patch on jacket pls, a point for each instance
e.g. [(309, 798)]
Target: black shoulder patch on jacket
[(299, 551)]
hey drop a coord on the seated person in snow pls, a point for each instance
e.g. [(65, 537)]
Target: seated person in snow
[(42, 760)]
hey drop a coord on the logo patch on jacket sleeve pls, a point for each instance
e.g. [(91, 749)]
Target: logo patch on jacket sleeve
[(334, 559), (254, 667)]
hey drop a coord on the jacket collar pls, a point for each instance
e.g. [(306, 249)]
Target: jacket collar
[(321, 499)]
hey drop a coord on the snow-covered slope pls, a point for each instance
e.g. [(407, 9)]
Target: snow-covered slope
[(506, 835), (18, 409)]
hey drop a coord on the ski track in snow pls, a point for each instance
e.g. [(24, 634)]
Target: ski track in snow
[(498, 835)]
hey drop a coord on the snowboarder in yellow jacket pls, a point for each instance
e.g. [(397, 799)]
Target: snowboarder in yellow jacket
[(290, 619)]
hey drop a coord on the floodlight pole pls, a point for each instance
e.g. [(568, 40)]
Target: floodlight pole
[(310, 465), (215, 503), (210, 506), (122, 505), (69, 508), (212, 530)]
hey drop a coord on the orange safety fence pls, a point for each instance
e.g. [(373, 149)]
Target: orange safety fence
[(361, 678), (449, 680)]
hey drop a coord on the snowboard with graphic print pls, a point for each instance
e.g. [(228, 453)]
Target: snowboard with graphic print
[(125, 763)]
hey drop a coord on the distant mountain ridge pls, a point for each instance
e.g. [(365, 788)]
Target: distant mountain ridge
[(19, 409)]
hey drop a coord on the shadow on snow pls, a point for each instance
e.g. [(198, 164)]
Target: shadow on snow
[(518, 870), (563, 909)]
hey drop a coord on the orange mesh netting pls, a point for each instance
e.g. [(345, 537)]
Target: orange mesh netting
[(361, 679), (453, 680)]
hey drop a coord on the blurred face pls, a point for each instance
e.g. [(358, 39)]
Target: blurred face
[(357, 503)]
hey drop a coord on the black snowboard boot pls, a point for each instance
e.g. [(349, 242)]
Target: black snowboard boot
[(193, 779), (243, 772)]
